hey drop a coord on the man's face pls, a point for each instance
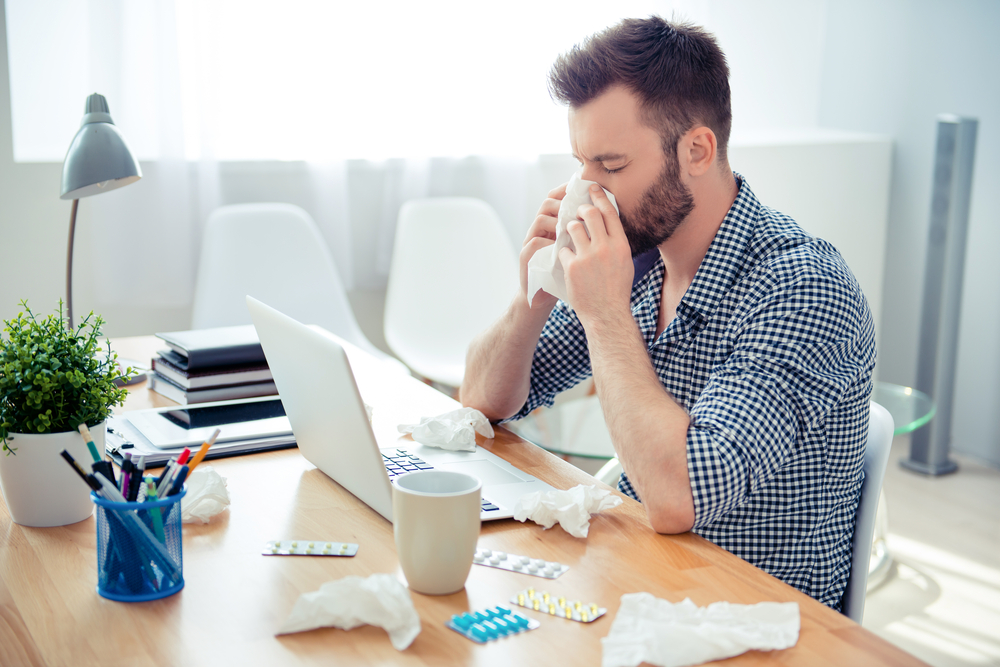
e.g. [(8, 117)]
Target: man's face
[(626, 157)]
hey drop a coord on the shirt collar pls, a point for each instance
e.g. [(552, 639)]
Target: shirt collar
[(716, 274), (724, 260)]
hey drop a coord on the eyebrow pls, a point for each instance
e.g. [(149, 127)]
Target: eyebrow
[(603, 157)]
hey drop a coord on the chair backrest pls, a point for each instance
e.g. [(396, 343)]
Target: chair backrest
[(880, 428), (453, 272), (274, 253)]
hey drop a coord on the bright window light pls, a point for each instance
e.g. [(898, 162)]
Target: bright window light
[(300, 79)]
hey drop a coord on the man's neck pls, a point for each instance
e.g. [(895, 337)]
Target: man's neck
[(685, 249)]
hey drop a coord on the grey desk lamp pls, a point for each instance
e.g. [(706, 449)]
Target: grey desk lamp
[(98, 160)]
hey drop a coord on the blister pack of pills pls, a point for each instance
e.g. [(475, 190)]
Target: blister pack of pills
[(309, 548), (558, 606), (522, 564), (488, 624)]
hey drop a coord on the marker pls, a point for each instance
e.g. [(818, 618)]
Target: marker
[(127, 468), (136, 481), (200, 456), (85, 432), (155, 512), (182, 459)]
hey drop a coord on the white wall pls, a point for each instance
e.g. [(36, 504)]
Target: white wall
[(891, 67)]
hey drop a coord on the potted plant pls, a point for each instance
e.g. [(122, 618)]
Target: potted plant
[(52, 379)]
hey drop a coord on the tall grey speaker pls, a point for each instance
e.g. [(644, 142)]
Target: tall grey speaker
[(952, 191)]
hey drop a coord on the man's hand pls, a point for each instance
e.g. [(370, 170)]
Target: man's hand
[(599, 274), (542, 233)]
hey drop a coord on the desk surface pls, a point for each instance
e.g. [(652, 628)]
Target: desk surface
[(235, 599)]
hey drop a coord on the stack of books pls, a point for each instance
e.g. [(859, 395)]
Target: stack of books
[(211, 365)]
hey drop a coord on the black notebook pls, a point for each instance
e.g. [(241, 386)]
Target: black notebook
[(221, 346)]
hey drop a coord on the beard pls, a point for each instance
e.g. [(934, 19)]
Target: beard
[(661, 209)]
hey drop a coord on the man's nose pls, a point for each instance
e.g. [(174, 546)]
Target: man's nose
[(594, 172)]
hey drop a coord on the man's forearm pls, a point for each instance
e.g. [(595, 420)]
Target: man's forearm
[(647, 426), (498, 363)]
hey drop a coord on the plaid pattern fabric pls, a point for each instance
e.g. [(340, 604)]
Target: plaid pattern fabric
[(771, 354)]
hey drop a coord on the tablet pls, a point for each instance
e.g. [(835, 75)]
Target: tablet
[(191, 425)]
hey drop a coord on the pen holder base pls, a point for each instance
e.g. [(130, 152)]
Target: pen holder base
[(139, 549)]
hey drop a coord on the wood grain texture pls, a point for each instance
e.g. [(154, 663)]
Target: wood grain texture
[(235, 599)]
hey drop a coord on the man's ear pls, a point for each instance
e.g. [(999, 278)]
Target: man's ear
[(698, 150)]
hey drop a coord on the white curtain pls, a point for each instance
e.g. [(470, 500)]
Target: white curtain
[(346, 109)]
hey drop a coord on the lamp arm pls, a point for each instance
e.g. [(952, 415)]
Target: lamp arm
[(69, 265)]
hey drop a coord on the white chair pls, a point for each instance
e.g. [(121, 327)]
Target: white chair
[(880, 427), (453, 273), (275, 253)]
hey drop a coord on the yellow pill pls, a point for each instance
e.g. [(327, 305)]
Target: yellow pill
[(531, 592), (536, 605), (545, 597), (562, 602), (577, 605), (552, 609), (520, 599), (311, 545), (583, 616), (295, 544), (593, 609)]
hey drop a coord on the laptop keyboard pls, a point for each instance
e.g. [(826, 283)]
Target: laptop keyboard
[(403, 461)]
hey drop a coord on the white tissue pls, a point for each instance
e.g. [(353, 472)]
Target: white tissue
[(353, 601), (455, 430), (545, 271), (572, 509), (648, 629), (206, 495)]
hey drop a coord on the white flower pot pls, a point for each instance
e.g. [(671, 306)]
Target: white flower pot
[(39, 486)]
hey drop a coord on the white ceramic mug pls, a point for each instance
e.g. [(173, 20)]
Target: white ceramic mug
[(435, 516)]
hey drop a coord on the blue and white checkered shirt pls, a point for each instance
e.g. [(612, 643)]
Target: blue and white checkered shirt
[(771, 354)]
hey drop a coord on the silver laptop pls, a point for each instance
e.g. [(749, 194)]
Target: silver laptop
[(331, 427)]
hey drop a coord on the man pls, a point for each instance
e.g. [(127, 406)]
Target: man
[(735, 372)]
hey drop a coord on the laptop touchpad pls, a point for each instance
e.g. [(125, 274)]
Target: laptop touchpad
[(486, 471)]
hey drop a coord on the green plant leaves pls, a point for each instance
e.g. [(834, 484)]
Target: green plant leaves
[(53, 378)]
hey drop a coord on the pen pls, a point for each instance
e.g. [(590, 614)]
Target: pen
[(167, 469), (136, 481), (87, 477), (85, 432), (199, 457), (179, 481), (164, 485)]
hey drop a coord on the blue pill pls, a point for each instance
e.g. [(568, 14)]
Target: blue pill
[(479, 632), (463, 621), (491, 628)]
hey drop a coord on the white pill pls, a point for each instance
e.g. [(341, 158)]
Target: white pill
[(525, 560), (478, 558), (501, 555), (487, 552), (494, 560)]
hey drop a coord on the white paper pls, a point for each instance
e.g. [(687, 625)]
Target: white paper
[(572, 509), (545, 271), (347, 603), (206, 495), (455, 430), (648, 629)]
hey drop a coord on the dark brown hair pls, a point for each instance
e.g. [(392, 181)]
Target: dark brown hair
[(677, 70)]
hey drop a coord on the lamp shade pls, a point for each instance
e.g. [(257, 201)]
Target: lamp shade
[(98, 160)]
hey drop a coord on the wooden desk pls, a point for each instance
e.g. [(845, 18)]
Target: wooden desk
[(235, 598)]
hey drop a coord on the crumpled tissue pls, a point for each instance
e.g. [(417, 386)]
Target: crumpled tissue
[(572, 509), (455, 430), (206, 495), (648, 629), (545, 271), (347, 603)]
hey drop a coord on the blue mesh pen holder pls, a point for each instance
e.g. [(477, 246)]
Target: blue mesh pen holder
[(139, 554)]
